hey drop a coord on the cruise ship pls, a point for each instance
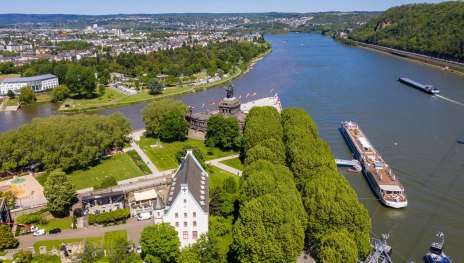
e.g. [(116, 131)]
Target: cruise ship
[(380, 177)]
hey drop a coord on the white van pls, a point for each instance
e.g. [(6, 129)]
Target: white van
[(144, 216)]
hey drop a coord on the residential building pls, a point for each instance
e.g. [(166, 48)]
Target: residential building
[(103, 202), (37, 83), (187, 206)]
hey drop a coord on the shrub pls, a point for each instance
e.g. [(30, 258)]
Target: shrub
[(109, 217), (37, 217)]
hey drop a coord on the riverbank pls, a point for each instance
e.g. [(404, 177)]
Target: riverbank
[(170, 92), (417, 58)]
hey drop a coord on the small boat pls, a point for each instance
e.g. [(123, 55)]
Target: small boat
[(380, 252), (436, 254)]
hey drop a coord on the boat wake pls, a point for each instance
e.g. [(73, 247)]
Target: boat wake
[(450, 100)]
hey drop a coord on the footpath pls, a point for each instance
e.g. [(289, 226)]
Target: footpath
[(218, 163)]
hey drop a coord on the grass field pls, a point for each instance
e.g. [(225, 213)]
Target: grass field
[(234, 163), (164, 157), (111, 237), (120, 166), (110, 95), (62, 223), (217, 176), (6, 76), (50, 244)]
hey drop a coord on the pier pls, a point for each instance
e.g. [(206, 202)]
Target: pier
[(346, 163)]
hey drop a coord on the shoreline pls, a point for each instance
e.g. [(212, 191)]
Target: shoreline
[(449, 66), (240, 73)]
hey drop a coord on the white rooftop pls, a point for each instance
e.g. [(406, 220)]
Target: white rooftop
[(146, 195), (269, 101)]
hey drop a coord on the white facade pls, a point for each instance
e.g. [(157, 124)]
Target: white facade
[(187, 207), (187, 217), (37, 83)]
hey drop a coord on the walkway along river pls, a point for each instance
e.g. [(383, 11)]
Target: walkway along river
[(417, 134)]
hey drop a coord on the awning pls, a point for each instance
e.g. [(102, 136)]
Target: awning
[(146, 195)]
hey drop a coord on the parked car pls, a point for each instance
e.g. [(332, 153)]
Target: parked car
[(55, 231), (39, 232), (138, 249), (34, 228), (144, 216)]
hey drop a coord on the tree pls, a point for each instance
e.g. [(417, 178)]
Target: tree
[(60, 71), (165, 119), (105, 77), (118, 253), (197, 152), (155, 87), (29, 72), (160, 241), (22, 256), (107, 182), (60, 93), (27, 95), (10, 198), (7, 240), (337, 246), (11, 94), (101, 90), (90, 254), (222, 132), (81, 80), (59, 192)]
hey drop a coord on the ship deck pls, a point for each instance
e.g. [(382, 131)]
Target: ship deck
[(373, 162)]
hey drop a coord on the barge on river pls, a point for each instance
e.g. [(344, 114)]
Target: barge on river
[(380, 177), (425, 88)]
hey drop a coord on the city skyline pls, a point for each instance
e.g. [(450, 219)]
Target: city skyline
[(103, 7)]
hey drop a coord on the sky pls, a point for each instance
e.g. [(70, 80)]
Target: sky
[(101, 7)]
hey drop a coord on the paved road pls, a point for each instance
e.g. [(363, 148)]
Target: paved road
[(133, 227), (218, 164)]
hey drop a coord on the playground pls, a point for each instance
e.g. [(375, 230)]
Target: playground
[(26, 188)]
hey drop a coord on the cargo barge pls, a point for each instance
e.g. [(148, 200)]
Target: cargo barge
[(425, 88), (380, 177)]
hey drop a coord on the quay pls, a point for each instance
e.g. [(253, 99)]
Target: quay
[(346, 163)]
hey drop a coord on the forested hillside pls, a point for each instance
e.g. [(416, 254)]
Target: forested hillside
[(434, 29)]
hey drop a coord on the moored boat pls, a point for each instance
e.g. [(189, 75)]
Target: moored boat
[(380, 177), (436, 254)]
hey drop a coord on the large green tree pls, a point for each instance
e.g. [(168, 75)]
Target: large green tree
[(165, 119), (118, 253), (59, 192), (154, 86), (7, 240), (22, 256), (27, 95), (222, 132), (60, 93), (160, 241), (81, 80)]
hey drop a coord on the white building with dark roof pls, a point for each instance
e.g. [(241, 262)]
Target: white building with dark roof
[(187, 204), (37, 83)]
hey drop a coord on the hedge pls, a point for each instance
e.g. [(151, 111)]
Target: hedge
[(109, 217)]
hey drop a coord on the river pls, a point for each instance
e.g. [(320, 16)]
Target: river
[(418, 135)]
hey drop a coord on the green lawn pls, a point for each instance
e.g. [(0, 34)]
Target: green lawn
[(234, 163), (217, 176), (110, 237), (44, 97), (50, 244), (109, 96), (164, 157), (62, 223), (120, 166), (13, 102)]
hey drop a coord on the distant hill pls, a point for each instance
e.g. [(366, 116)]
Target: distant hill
[(10, 19), (434, 29)]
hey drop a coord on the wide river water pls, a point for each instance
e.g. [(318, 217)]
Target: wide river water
[(420, 136)]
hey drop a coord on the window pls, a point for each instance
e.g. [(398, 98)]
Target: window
[(185, 215), (185, 201), (194, 214), (194, 234), (177, 224), (194, 223), (158, 213), (176, 215), (186, 234), (185, 224)]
